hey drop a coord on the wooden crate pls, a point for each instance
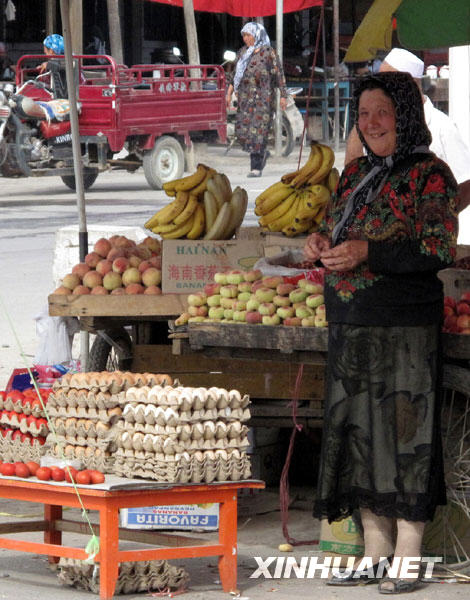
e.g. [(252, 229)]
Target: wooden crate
[(136, 305), (258, 378), (267, 337)]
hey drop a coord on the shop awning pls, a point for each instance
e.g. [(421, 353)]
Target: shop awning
[(245, 8), (420, 25)]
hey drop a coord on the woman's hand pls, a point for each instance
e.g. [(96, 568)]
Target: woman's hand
[(283, 103), (42, 67), (228, 97), (315, 245), (345, 256)]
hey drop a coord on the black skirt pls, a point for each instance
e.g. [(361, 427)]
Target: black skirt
[(381, 445)]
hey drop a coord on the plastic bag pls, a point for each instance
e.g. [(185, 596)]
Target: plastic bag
[(276, 265), (55, 338)]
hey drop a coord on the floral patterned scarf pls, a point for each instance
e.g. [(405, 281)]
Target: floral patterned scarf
[(261, 39), (413, 136)]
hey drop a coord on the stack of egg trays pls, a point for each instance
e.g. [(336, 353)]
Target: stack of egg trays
[(133, 577), (84, 416), (183, 435)]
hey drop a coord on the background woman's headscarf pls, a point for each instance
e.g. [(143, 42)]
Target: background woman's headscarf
[(261, 39), (54, 42), (413, 136)]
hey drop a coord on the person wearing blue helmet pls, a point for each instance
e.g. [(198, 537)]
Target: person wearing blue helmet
[(54, 45)]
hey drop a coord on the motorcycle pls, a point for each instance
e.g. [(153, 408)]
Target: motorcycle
[(36, 134)]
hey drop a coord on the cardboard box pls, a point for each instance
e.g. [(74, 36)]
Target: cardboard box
[(188, 265), (276, 243), (184, 516), (340, 537)]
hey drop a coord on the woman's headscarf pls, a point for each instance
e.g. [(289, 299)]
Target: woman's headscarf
[(261, 39), (54, 42), (413, 136)]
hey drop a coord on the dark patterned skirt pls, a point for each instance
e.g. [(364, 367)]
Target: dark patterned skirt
[(381, 444)]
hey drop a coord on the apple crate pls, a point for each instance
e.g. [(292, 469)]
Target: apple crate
[(455, 281)]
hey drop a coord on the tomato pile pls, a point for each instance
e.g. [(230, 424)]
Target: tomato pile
[(33, 469)]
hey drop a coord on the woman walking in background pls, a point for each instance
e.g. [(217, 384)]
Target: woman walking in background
[(258, 73)]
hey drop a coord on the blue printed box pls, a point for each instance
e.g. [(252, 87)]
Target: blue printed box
[(184, 516)]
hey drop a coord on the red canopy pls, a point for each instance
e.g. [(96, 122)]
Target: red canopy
[(245, 8)]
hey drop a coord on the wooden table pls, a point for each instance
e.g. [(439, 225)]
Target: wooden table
[(108, 502)]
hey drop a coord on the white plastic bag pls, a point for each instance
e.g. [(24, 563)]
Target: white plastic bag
[(55, 338)]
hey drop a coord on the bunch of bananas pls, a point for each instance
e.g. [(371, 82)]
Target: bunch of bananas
[(204, 207), (297, 203)]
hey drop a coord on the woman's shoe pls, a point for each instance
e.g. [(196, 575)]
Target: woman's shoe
[(401, 586), (363, 579), (254, 173)]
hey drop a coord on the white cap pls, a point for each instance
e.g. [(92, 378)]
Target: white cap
[(405, 61)]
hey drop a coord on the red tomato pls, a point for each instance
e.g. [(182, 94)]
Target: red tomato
[(97, 477), (70, 474), (36, 402), (21, 470), (30, 420), (83, 478), (7, 469), (58, 474), (41, 439), (43, 473), (16, 434), (32, 466)]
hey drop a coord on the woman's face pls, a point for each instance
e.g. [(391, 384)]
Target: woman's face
[(48, 51), (248, 39), (377, 122)]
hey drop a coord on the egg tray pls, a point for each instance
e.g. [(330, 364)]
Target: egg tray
[(20, 407), (183, 432), (64, 440), (110, 381), (82, 428), (92, 457), (18, 451), (157, 415), (183, 471), (24, 427), (133, 577), (172, 445), (84, 398), (105, 416), (184, 399), (26, 409)]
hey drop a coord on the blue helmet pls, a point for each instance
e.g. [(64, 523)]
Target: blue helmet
[(55, 42)]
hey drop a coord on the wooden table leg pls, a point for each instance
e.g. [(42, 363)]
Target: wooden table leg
[(228, 538), (52, 513), (109, 546)]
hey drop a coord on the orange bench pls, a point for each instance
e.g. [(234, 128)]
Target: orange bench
[(108, 502)]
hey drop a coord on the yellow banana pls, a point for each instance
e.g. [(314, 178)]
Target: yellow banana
[(296, 229), (221, 182), (188, 210), (326, 165), (271, 201), (180, 231), (238, 205), (186, 183), (173, 209), (152, 222), (171, 193), (269, 191), (168, 228), (287, 218), (288, 177), (202, 186), (220, 224), (278, 211), (333, 179), (317, 194), (210, 208), (312, 165), (198, 224), (214, 187)]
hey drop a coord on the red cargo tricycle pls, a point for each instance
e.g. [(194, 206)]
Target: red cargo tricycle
[(148, 110)]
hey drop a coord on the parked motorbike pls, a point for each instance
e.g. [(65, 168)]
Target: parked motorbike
[(36, 134)]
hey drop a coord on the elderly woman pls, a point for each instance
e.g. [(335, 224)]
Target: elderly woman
[(258, 73), (390, 227)]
